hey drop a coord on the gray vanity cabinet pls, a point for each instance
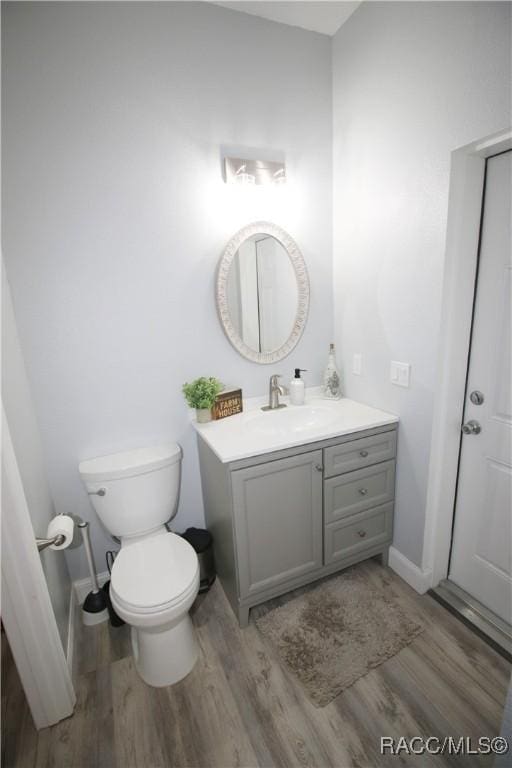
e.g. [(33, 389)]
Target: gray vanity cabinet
[(286, 518), (278, 524)]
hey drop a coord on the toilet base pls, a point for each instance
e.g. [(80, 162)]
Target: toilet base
[(165, 656)]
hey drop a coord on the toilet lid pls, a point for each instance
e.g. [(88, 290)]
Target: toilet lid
[(154, 572)]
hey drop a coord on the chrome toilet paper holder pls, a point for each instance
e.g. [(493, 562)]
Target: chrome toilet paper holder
[(43, 543)]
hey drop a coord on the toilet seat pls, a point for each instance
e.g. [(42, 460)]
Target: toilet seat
[(154, 575)]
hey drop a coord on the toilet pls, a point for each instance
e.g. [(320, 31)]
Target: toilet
[(155, 576)]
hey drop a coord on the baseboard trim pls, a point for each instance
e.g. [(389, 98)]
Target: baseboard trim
[(82, 587), (71, 630), (419, 580)]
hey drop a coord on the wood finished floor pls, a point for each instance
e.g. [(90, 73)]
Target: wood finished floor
[(240, 706)]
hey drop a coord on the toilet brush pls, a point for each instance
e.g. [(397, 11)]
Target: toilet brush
[(94, 609)]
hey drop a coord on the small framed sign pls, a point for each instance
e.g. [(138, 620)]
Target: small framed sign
[(228, 403)]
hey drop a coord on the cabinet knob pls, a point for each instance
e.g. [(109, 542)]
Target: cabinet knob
[(364, 454), (363, 491), (362, 534), (319, 467)]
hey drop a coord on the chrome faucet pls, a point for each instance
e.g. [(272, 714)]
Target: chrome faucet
[(274, 390)]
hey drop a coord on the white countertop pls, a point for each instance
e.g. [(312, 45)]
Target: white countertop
[(255, 432)]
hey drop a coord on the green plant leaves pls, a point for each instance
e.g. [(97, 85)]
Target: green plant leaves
[(201, 393)]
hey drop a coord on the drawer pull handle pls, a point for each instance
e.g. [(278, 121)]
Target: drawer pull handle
[(362, 534), (363, 491), (364, 454), (319, 467)]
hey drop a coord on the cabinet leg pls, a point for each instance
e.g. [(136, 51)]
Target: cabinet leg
[(243, 616), (384, 557)]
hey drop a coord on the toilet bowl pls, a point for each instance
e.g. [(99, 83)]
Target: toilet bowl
[(155, 576), (152, 587)]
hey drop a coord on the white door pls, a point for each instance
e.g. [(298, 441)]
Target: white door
[(268, 298), (277, 293), (27, 612), (248, 291), (480, 560)]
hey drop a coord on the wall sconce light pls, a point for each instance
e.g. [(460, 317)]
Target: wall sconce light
[(240, 171)]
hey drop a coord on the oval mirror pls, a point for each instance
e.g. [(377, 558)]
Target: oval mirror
[(262, 292)]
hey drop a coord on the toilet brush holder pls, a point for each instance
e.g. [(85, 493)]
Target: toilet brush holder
[(94, 609)]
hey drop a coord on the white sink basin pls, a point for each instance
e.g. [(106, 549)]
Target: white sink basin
[(289, 421), (255, 432)]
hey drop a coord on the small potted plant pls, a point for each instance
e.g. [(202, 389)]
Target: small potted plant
[(201, 394)]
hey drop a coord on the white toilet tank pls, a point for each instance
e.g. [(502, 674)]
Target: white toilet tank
[(134, 492)]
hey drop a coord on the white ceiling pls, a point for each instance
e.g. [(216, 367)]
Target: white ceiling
[(325, 16)]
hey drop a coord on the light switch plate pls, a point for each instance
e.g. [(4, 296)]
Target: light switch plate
[(357, 363), (400, 373)]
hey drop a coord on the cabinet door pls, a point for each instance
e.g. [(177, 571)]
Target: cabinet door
[(278, 521)]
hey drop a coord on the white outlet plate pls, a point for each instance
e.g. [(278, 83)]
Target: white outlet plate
[(357, 364), (400, 374)]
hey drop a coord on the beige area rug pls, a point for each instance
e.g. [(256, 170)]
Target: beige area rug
[(334, 634)]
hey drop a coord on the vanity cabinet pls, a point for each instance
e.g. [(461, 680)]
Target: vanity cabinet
[(283, 519)]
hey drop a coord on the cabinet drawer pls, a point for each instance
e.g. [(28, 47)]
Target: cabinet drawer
[(353, 492), (359, 453), (368, 529)]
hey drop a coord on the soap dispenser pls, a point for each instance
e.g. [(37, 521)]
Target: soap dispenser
[(297, 388)]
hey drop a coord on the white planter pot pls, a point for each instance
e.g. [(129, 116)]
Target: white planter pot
[(203, 415)]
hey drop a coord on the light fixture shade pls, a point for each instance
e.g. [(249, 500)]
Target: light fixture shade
[(244, 171), (245, 178)]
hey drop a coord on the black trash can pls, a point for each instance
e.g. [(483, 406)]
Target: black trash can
[(202, 542), (115, 620)]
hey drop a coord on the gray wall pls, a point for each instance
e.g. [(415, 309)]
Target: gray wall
[(115, 213), (22, 421), (411, 82)]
